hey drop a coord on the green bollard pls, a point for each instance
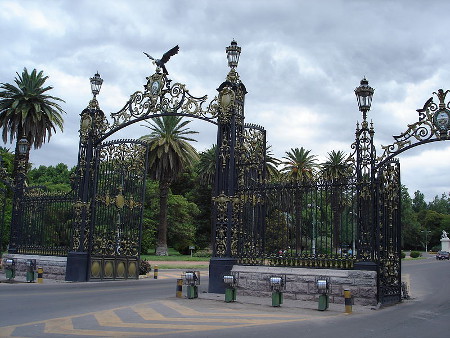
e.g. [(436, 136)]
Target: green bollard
[(230, 295), (31, 265), (277, 298), (10, 268), (323, 302), (192, 291), (10, 273)]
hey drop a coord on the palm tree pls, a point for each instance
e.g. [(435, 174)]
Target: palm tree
[(300, 167), (336, 170), (27, 111), (271, 163), (169, 154), (206, 167)]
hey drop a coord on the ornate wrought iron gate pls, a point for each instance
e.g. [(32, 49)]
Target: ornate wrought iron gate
[(118, 199), (388, 196)]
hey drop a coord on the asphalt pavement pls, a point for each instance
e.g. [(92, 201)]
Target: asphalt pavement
[(149, 307)]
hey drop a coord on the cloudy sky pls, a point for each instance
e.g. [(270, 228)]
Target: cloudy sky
[(301, 61)]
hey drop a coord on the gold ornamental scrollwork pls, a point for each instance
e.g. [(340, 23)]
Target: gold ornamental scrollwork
[(160, 97), (222, 203), (433, 124)]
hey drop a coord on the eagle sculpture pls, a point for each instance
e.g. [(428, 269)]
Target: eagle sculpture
[(161, 62)]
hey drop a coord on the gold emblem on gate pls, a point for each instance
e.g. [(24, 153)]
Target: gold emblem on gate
[(120, 199), (120, 269)]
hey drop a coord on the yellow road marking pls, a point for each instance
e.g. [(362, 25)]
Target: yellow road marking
[(149, 314), (186, 311), (109, 318)]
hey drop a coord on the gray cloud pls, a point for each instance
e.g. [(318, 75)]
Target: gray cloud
[(301, 61)]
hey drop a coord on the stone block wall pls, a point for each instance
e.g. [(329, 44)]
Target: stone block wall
[(301, 283), (54, 267)]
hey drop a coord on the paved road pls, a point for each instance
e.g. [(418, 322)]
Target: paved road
[(149, 307)]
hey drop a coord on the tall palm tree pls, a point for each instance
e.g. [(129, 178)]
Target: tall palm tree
[(27, 111), (300, 167), (336, 170), (170, 152)]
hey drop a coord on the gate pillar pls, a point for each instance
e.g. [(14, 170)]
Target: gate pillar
[(91, 127), (230, 115)]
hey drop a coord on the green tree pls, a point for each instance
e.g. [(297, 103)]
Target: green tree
[(411, 236), (170, 152), (27, 111), (54, 178), (440, 205), (299, 167), (6, 167), (271, 164), (419, 203), (206, 167), (336, 170)]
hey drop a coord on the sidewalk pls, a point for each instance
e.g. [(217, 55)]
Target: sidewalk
[(288, 306)]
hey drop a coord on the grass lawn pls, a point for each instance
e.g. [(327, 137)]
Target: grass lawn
[(175, 256), (185, 258)]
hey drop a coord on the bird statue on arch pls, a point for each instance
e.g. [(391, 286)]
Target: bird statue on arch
[(161, 62)]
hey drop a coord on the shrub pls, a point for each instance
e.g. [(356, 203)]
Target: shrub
[(415, 254), (202, 253), (144, 267), (403, 254)]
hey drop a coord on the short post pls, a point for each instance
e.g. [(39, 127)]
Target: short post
[(230, 291), (192, 279), (31, 266), (155, 272), (10, 268), (277, 284), (179, 292), (322, 288), (40, 272), (348, 301)]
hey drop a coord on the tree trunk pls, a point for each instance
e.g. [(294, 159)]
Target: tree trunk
[(161, 246)]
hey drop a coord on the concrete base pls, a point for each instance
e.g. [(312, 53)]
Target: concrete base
[(445, 244), (218, 267), (301, 283), (54, 267), (77, 267), (367, 266)]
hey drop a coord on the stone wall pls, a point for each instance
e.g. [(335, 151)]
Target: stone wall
[(54, 267), (301, 283)]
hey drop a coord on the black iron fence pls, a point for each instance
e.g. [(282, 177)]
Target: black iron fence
[(46, 224), (307, 224)]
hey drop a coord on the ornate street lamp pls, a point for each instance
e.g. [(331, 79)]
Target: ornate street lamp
[(364, 95), (23, 145), (96, 84), (233, 53)]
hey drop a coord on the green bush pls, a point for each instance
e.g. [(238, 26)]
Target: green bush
[(415, 254), (403, 254), (202, 253), (436, 248), (144, 267)]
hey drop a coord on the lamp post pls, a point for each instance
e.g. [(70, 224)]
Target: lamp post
[(426, 232), (233, 53), (365, 171), (364, 94), (23, 147), (314, 207)]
